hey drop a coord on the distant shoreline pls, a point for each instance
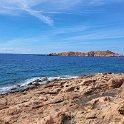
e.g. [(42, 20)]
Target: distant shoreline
[(106, 53), (47, 55)]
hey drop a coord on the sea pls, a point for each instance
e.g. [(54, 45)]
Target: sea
[(19, 70)]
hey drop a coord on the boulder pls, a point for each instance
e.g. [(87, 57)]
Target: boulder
[(115, 82)]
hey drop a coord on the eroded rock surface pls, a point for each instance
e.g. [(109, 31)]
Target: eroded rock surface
[(97, 99)]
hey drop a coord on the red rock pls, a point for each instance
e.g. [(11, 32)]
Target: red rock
[(91, 53)]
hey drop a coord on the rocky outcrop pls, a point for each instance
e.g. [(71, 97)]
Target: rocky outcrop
[(91, 53), (95, 99)]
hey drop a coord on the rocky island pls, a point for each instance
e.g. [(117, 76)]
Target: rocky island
[(93, 99), (106, 53)]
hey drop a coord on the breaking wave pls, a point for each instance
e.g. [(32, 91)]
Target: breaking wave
[(31, 82)]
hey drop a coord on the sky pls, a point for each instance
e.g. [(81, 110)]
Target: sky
[(49, 26)]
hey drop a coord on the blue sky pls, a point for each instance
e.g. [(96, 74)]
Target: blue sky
[(45, 26)]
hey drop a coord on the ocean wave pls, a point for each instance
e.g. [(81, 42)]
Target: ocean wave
[(31, 82)]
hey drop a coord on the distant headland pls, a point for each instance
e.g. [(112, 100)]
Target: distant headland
[(106, 53)]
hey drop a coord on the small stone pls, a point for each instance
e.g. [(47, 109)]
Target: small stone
[(116, 82)]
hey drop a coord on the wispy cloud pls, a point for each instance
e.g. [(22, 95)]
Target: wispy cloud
[(16, 7), (73, 29), (13, 50), (86, 37), (96, 33), (39, 15)]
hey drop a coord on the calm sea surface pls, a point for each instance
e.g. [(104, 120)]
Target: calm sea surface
[(15, 69)]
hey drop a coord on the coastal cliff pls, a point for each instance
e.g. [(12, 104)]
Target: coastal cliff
[(106, 53), (93, 99)]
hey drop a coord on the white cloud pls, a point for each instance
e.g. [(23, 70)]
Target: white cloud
[(38, 8), (38, 14), (49, 42), (13, 50), (14, 7), (67, 30), (99, 34)]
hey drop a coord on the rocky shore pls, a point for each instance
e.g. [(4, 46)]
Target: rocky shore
[(106, 53), (94, 99)]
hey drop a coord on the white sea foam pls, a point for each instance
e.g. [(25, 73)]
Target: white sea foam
[(33, 81), (69, 77), (4, 89), (29, 82)]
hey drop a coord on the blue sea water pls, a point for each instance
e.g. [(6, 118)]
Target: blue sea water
[(16, 69)]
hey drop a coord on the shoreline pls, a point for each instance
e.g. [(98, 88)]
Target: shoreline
[(106, 53), (32, 82), (87, 99), (39, 81)]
